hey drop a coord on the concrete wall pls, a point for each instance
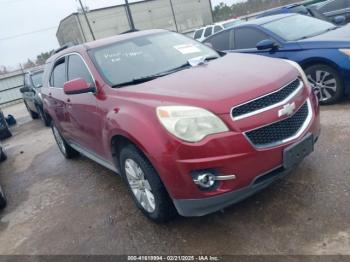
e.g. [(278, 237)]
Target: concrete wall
[(189, 14), (9, 88)]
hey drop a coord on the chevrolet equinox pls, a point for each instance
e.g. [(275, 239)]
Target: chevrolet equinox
[(190, 130)]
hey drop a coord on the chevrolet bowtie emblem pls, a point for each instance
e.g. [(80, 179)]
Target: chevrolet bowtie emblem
[(287, 110)]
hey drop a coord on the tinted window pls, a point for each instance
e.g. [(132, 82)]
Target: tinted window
[(208, 31), (248, 38), (58, 77), (333, 6), (198, 34), (220, 41), (77, 69), (217, 29)]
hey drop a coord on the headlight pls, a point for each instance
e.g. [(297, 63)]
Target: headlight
[(191, 124), (300, 70), (345, 51)]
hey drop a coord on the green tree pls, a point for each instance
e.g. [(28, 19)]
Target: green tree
[(41, 59), (222, 12)]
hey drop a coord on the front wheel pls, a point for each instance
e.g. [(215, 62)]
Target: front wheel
[(147, 190), (32, 114), (326, 83)]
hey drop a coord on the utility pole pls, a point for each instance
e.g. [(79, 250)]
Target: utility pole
[(87, 20), (173, 12), (128, 13)]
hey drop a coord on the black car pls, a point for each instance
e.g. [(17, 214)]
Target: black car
[(3, 200), (4, 128), (334, 8), (31, 92), (311, 10)]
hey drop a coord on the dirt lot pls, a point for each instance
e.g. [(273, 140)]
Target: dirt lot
[(78, 207)]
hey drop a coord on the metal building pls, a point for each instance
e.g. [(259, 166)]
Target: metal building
[(178, 15)]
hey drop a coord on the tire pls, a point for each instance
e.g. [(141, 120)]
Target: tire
[(326, 83), (3, 200), (42, 115), (5, 133), (148, 193), (66, 150), (3, 156), (32, 114)]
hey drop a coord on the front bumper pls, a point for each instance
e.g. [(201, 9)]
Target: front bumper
[(201, 207)]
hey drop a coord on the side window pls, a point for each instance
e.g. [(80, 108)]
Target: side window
[(333, 6), (58, 76), (78, 69), (208, 31), (221, 41), (248, 37), (198, 34), (217, 28)]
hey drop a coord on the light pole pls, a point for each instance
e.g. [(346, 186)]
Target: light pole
[(128, 12), (173, 12), (87, 20)]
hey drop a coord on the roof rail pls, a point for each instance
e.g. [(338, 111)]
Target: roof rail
[(61, 48)]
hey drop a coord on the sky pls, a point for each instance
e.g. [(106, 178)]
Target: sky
[(28, 27)]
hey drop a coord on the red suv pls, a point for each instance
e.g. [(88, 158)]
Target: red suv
[(189, 129)]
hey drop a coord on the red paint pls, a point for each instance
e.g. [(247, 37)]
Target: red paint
[(93, 120)]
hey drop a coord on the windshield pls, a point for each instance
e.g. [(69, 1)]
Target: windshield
[(145, 56), (37, 79), (303, 27)]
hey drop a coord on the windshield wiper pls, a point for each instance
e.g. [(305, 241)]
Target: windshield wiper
[(144, 79)]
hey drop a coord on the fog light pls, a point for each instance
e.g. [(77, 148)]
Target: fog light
[(206, 180)]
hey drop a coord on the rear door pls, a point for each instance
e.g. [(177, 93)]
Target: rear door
[(56, 99), (85, 123)]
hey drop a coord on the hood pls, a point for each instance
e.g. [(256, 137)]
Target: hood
[(216, 86), (338, 38)]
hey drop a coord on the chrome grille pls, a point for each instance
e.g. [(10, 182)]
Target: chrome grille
[(267, 100), (279, 131)]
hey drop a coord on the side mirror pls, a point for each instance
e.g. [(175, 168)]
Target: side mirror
[(77, 86), (267, 44), (24, 89), (339, 20)]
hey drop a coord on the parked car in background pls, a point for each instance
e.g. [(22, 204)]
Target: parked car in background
[(334, 8), (4, 128), (31, 93), (322, 49), (189, 129), (304, 10), (204, 32), (3, 200)]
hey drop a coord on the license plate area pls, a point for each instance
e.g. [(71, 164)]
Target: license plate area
[(294, 154)]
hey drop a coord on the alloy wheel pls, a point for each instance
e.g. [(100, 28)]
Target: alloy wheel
[(324, 84), (139, 185)]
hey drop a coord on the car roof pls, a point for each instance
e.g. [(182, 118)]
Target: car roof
[(266, 19), (104, 42)]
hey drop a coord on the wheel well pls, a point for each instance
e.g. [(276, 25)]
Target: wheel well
[(118, 143), (318, 62)]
